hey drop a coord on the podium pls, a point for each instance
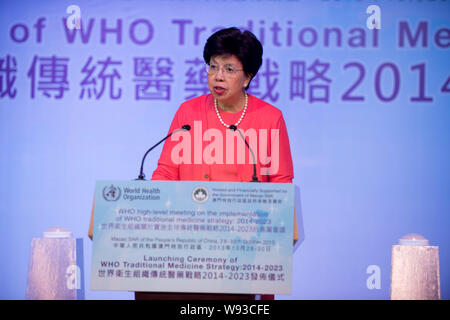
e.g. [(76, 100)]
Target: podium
[(193, 240)]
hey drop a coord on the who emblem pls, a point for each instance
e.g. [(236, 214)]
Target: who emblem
[(111, 193)]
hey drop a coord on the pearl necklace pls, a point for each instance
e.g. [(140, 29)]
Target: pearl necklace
[(240, 119)]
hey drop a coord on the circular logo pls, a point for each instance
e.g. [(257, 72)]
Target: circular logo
[(200, 194), (111, 193)]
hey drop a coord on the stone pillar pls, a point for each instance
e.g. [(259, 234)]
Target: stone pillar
[(415, 270), (53, 273)]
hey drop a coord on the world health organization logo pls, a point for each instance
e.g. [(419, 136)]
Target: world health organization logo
[(200, 195), (111, 193)]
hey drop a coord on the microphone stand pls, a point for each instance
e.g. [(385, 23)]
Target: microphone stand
[(141, 176), (255, 176)]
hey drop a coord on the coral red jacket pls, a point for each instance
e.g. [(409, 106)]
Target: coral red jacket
[(206, 153)]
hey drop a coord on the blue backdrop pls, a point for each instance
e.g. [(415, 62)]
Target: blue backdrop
[(367, 112)]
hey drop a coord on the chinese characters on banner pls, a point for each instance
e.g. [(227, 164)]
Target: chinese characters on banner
[(154, 78)]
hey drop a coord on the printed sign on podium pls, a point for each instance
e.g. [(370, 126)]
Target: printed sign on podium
[(191, 236)]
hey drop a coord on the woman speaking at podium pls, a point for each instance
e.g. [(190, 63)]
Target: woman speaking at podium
[(232, 59), (220, 121)]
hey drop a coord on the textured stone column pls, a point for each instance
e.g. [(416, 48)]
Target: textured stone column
[(415, 270), (53, 273)]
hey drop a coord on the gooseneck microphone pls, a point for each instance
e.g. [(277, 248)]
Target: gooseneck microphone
[(141, 176), (255, 177)]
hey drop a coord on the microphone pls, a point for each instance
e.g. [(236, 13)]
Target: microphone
[(255, 177), (141, 176)]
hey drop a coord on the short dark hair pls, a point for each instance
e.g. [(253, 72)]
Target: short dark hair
[(244, 45)]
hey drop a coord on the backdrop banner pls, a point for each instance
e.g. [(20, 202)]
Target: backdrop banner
[(363, 85)]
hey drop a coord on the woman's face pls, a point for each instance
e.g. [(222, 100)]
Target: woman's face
[(227, 79)]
